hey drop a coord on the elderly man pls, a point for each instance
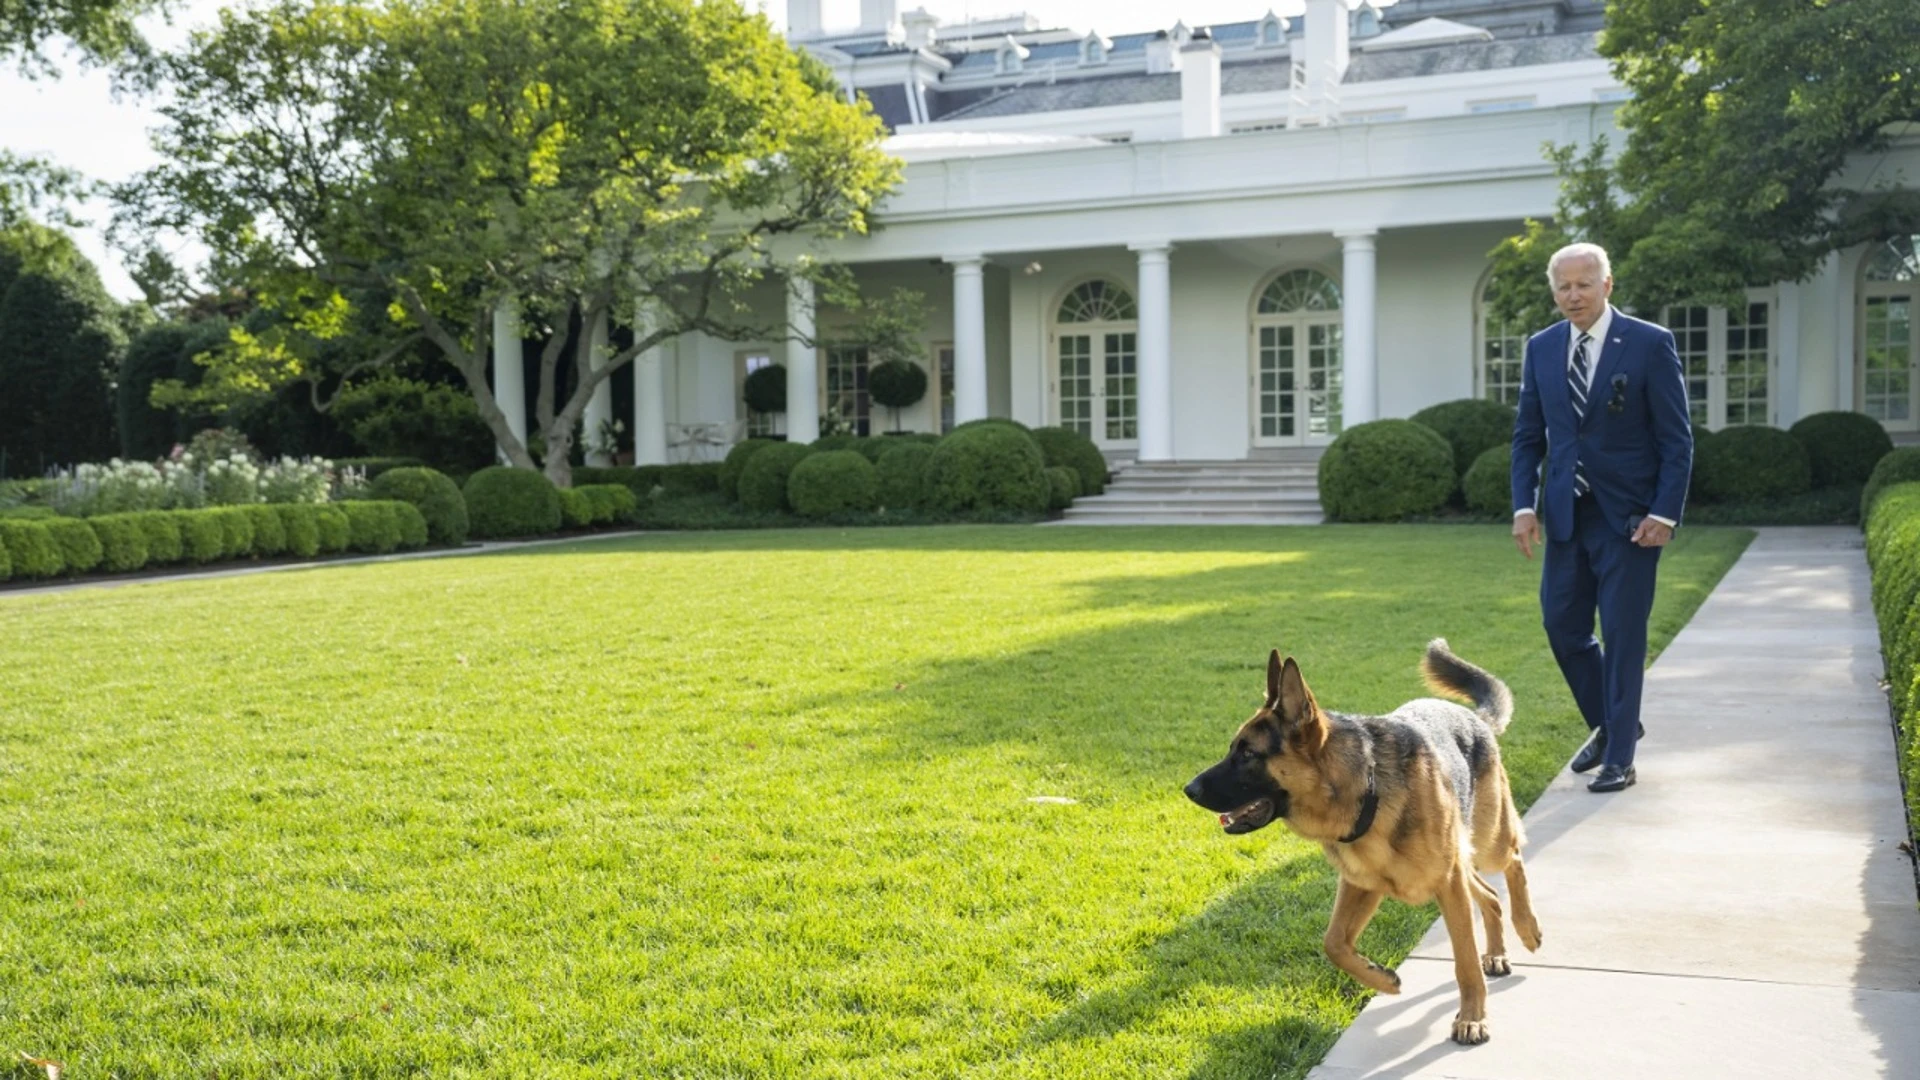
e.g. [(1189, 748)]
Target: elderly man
[(1603, 402)]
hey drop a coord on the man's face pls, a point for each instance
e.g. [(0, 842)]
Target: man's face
[(1580, 291)]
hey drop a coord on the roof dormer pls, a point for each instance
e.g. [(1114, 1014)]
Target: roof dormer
[(1271, 33), (1011, 59), (1366, 20), (1180, 34), (1094, 48)]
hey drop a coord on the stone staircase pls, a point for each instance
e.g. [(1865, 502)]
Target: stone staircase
[(1268, 491)]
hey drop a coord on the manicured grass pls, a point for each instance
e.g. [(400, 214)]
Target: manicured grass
[(718, 805)]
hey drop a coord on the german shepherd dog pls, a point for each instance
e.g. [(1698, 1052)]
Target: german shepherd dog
[(1410, 805)]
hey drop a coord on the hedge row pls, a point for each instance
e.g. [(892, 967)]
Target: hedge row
[(50, 547), (1893, 552), (691, 478)]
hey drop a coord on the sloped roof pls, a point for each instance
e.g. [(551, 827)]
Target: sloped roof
[(1426, 32)]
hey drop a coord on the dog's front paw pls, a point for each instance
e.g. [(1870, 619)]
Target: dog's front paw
[(1386, 980), (1529, 934), (1495, 964), (1470, 1032)]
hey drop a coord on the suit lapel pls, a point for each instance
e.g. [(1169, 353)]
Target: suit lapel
[(1598, 391)]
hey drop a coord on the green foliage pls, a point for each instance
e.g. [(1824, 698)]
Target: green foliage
[(145, 431), (236, 530), (1842, 446), (832, 482), (123, 541), (372, 467), (60, 345), (269, 531), (765, 389), (736, 462), (79, 546), (1518, 294), (162, 530), (6, 563), (1065, 446), (31, 548), (504, 502), (301, 524), (438, 499), (1386, 470), (102, 30), (900, 476), (373, 527), (609, 503), (685, 478), (840, 441), (1898, 467), (896, 384), (1488, 485), (576, 510), (201, 537), (1821, 506), (335, 531), (1063, 486), (1752, 464), (987, 466), (763, 482), (1470, 426), (1893, 553), (394, 417)]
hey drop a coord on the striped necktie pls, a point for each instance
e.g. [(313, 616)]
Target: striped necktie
[(1579, 375)]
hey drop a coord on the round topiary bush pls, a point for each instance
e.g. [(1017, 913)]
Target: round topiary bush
[(123, 543), (1896, 468), (987, 466), (1063, 486), (843, 441), (269, 532), (1386, 470), (372, 527), (336, 532), (236, 531), (79, 545), (832, 483), (437, 497), (31, 548), (301, 524), (201, 536), (765, 389), (1842, 447), (163, 537), (736, 461), (896, 384), (576, 509), (503, 501), (1065, 446), (413, 524), (1751, 464), (873, 449), (763, 483), (1488, 484), (1470, 426), (900, 473)]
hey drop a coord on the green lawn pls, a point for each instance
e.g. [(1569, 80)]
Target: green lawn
[(717, 805)]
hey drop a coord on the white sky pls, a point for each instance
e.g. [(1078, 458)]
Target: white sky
[(76, 121)]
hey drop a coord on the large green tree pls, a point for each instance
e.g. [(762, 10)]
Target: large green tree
[(380, 174), (1752, 137), (60, 342)]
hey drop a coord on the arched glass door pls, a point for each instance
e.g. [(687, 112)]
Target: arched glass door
[(1297, 361), (1888, 367), (1096, 364)]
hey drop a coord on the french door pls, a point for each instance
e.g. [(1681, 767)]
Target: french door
[(1728, 356), (1097, 386), (1296, 380), (1889, 370)]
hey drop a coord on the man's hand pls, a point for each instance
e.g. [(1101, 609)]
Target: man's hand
[(1526, 531), (1651, 534)]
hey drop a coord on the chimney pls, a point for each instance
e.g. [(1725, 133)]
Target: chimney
[(803, 18), (1200, 87), (878, 15), (1162, 57), (922, 28), (1326, 45)]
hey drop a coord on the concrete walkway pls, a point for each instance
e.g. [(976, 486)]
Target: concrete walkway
[(1745, 911)]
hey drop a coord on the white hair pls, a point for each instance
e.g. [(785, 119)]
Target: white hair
[(1581, 251)]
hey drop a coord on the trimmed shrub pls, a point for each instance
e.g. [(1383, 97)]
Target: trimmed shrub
[(765, 389), (763, 483), (1470, 426), (163, 536), (900, 474), (831, 483), (437, 498), (123, 543), (1896, 468), (1386, 470), (1893, 553), (1749, 464), (301, 524), (201, 537), (1842, 446), (835, 442), (896, 383), (1701, 436), (31, 549), (1065, 446), (79, 546), (1063, 486), (686, 478), (987, 421), (576, 509), (335, 531), (736, 463), (6, 563), (610, 502), (413, 524), (503, 501), (987, 466), (372, 526), (1488, 485), (236, 527), (269, 532), (373, 467), (876, 448)]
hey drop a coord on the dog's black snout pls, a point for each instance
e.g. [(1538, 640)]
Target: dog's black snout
[(1193, 789)]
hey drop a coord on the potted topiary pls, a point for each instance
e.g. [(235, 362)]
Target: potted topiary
[(766, 391), (891, 328), (898, 384)]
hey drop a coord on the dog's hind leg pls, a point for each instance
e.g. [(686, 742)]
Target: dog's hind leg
[(1456, 908), (1494, 960), (1353, 908), (1524, 922)]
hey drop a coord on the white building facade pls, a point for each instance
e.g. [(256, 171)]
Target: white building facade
[(1229, 242)]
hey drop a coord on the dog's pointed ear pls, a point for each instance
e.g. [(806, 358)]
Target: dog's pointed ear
[(1273, 680), (1296, 705)]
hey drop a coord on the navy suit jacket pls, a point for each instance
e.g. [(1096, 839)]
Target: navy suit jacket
[(1635, 444)]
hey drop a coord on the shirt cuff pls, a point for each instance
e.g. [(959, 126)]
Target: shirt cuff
[(1523, 510), (1664, 521)]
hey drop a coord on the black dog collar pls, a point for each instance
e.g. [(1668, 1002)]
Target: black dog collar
[(1369, 805)]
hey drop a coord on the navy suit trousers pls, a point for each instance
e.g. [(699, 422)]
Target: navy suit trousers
[(1599, 570)]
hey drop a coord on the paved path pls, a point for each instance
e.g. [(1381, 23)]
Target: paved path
[(1744, 911)]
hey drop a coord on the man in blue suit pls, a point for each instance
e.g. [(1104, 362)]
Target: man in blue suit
[(1603, 402)]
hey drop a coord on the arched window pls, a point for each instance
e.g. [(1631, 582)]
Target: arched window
[(1896, 260), (1097, 301), (1273, 30), (1300, 290), (1012, 56), (1296, 361), (1888, 356), (1093, 49), (1096, 363)]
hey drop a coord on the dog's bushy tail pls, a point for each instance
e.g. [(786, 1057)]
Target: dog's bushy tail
[(1448, 674)]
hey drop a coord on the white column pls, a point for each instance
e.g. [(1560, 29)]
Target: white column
[(803, 366), (649, 396), (969, 338), (509, 370), (600, 405), (1786, 337), (1360, 367), (1154, 386)]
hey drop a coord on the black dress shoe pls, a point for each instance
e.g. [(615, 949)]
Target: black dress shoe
[(1590, 754), (1612, 778)]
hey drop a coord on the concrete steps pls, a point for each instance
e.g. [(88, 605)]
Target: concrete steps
[(1282, 491)]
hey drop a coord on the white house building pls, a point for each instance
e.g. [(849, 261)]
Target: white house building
[(1220, 243)]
